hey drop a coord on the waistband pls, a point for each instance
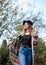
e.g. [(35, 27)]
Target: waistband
[(25, 46)]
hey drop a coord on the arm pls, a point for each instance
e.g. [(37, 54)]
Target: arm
[(35, 38), (35, 41)]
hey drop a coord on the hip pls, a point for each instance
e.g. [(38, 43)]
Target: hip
[(25, 50)]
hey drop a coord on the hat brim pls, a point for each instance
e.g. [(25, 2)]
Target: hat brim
[(30, 22)]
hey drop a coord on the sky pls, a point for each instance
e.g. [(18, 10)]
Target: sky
[(37, 5)]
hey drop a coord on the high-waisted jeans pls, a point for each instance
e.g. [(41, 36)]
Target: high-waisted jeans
[(25, 56)]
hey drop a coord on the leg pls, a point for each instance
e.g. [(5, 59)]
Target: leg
[(22, 57), (29, 57)]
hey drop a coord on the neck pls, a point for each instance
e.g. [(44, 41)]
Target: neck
[(28, 30)]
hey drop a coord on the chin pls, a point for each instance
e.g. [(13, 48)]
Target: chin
[(25, 28)]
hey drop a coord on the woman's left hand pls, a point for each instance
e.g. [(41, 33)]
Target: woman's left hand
[(35, 37)]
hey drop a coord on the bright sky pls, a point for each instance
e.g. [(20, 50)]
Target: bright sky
[(36, 5)]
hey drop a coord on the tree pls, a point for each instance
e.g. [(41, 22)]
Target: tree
[(40, 53), (4, 53), (11, 19)]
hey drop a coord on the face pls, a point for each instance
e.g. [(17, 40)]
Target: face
[(27, 25)]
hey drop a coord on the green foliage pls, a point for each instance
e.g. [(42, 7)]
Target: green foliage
[(19, 28), (40, 53), (4, 43), (4, 54)]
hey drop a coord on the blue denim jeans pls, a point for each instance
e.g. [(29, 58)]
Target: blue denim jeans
[(25, 56)]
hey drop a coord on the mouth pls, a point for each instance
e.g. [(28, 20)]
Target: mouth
[(26, 27)]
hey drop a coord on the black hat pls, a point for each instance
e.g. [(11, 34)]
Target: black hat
[(30, 22)]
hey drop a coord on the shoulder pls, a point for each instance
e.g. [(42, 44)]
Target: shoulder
[(21, 33)]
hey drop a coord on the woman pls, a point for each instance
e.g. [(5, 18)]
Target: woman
[(25, 50)]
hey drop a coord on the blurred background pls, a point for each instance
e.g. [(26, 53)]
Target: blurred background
[(12, 14)]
